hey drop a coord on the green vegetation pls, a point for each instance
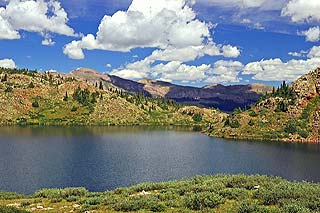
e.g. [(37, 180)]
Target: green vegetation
[(35, 104), (8, 89), (31, 85), (10, 209), (220, 193), (197, 117), (283, 91), (34, 98), (310, 107), (288, 113), (232, 121)]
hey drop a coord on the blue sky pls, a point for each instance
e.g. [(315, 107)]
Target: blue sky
[(182, 41)]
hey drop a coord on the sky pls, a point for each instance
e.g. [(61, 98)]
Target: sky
[(187, 42)]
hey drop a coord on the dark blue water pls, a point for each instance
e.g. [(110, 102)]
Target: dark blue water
[(103, 158)]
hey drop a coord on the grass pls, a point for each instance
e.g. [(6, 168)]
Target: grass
[(220, 193)]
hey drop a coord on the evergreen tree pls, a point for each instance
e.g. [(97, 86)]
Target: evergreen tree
[(66, 97), (101, 86), (31, 85), (5, 78), (35, 104)]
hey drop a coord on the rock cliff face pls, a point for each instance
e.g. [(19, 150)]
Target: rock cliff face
[(307, 87), (225, 98), (291, 113)]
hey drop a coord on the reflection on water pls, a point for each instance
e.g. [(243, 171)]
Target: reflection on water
[(103, 158)]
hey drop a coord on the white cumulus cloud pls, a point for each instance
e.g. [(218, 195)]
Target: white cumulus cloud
[(314, 52), (225, 72), (6, 30), (221, 72), (168, 25), (176, 71), (48, 42), (33, 16), (244, 4), (277, 70), (7, 63), (302, 10), (312, 35)]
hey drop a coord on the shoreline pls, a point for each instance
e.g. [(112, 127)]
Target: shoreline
[(220, 193), (194, 125)]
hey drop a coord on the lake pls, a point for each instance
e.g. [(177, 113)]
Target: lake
[(103, 158)]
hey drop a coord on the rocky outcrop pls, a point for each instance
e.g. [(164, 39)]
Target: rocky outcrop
[(291, 113)]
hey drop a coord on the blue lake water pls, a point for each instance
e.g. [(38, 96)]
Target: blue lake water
[(103, 158)]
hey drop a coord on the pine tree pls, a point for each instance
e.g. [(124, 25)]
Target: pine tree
[(101, 86), (66, 97), (31, 85), (5, 78)]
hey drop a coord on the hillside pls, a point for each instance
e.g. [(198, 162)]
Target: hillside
[(221, 193), (225, 98), (290, 113), (28, 97)]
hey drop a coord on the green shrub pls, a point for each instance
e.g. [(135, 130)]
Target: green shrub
[(25, 203), (31, 85), (307, 111), (203, 200), (10, 195), (303, 133), (56, 200), (127, 205), (237, 111), (35, 104), (252, 113), (197, 118), (60, 193), (168, 195), (74, 109), (238, 181), (282, 106), (291, 127), (93, 201), (247, 207), (6, 209), (8, 89), (234, 193), (157, 207), (72, 198), (146, 202), (232, 122), (294, 208), (251, 122)]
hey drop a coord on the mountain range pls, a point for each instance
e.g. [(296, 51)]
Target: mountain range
[(225, 98)]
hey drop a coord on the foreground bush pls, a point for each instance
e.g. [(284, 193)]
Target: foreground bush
[(220, 193), (60, 193), (6, 209), (10, 195)]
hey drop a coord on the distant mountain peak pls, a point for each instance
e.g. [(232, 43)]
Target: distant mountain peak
[(85, 71), (147, 81), (226, 98), (211, 86), (88, 74)]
